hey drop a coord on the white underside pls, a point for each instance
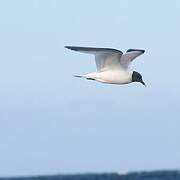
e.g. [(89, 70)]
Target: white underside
[(112, 65), (111, 76)]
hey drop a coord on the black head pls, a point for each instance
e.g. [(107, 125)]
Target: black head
[(136, 77)]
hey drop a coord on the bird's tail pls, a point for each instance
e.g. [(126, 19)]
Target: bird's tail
[(78, 76), (83, 76)]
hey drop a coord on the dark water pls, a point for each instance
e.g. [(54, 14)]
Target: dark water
[(154, 175)]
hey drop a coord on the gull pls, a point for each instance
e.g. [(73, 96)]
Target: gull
[(112, 65)]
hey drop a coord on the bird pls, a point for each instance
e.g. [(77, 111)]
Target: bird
[(112, 65)]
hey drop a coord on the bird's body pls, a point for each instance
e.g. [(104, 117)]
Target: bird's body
[(112, 65), (110, 77)]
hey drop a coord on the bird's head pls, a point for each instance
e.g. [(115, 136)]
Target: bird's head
[(136, 77)]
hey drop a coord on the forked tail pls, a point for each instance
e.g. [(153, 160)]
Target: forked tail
[(82, 76)]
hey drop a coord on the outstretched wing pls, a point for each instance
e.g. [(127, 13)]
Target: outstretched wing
[(106, 58), (129, 56)]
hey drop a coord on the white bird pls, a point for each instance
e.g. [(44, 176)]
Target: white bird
[(112, 65)]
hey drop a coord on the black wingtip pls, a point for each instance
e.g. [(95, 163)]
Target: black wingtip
[(131, 50), (67, 47), (72, 48)]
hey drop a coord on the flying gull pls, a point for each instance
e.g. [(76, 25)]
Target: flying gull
[(112, 65)]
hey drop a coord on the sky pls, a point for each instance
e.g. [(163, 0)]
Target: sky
[(52, 123)]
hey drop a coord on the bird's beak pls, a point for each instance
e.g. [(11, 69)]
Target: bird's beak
[(143, 83)]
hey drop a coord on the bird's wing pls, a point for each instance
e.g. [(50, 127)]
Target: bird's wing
[(106, 58), (129, 56)]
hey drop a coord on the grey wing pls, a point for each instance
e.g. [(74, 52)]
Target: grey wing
[(108, 61), (129, 56), (106, 58)]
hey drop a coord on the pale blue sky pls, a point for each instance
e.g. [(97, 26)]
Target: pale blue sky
[(51, 122)]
